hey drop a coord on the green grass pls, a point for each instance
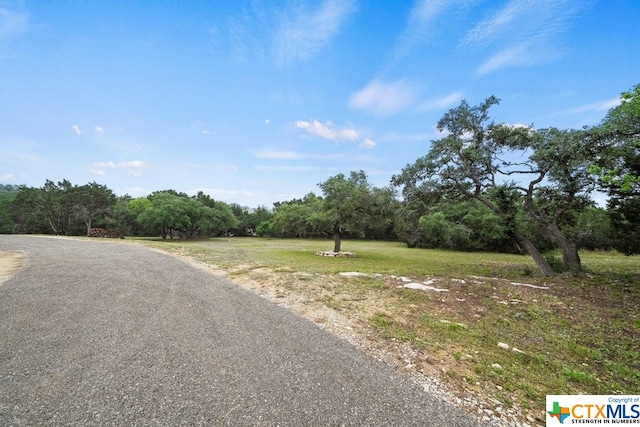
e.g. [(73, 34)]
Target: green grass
[(372, 257), (580, 336)]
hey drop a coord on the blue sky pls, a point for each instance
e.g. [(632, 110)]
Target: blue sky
[(258, 101)]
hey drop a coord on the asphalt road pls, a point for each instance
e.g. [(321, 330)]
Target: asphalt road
[(103, 333)]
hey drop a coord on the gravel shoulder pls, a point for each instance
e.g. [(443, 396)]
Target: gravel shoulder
[(111, 334)]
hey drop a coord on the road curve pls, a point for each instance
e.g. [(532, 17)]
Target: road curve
[(97, 333)]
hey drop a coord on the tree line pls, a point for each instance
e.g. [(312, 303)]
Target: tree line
[(483, 186)]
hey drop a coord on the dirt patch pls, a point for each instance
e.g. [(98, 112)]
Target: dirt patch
[(10, 262)]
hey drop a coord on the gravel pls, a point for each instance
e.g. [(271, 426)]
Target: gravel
[(101, 333)]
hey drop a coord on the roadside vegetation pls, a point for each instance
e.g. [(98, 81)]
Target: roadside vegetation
[(488, 335)]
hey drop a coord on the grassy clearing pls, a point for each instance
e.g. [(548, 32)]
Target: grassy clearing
[(580, 335)]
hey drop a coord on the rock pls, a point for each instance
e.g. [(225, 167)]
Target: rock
[(496, 366), (336, 254), (353, 274), (503, 345), (421, 287)]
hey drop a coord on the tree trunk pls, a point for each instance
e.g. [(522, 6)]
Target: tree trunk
[(53, 227), (336, 241), (570, 257), (542, 263), (88, 223)]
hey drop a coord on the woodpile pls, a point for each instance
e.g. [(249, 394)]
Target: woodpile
[(336, 254), (105, 232)]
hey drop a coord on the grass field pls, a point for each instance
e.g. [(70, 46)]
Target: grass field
[(498, 330)]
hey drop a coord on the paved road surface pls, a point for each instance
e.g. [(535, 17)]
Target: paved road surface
[(97, 333)]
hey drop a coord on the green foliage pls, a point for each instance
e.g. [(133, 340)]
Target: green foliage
[(351, 205), (7, 196)]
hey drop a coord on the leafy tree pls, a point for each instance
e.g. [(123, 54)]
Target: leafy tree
[(134, 209), (382, 208), (168, 213), (91, 201), (57, 203), (619, 132), (346, 205), (560, 182), (466, 164), (7, 196), (290, 219), (592, 229), (619, 168), (214, 217)]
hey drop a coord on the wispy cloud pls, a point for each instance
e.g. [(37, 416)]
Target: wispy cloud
[(76, 129), (418, 27), (303, 31), (328, 130), (13, 23), (523, 32), (268, 153), (596, 106), (294, 32), (442, 102), (132, 168), (384, 98), (368, 143), (99, 129), (104, 165)]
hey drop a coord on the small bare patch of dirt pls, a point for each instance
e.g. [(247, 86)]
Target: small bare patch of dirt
[(10, 262)]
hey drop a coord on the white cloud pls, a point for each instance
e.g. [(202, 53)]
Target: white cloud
[(418, 27), (327, 130), (368, 143), (597, 106), (132, 168), (99, 129), (7, 177), (13, 23), (303, 32), (441, 103), (76, 129), (384, 99), (523, 32), (267, 121), (104, 165), (518, 54), (205, 132)]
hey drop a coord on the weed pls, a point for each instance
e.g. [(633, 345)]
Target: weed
[(577, 376)]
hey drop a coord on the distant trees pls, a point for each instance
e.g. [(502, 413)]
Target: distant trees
[(167, 213), (481, 187), (64, 208), (7, 196)]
